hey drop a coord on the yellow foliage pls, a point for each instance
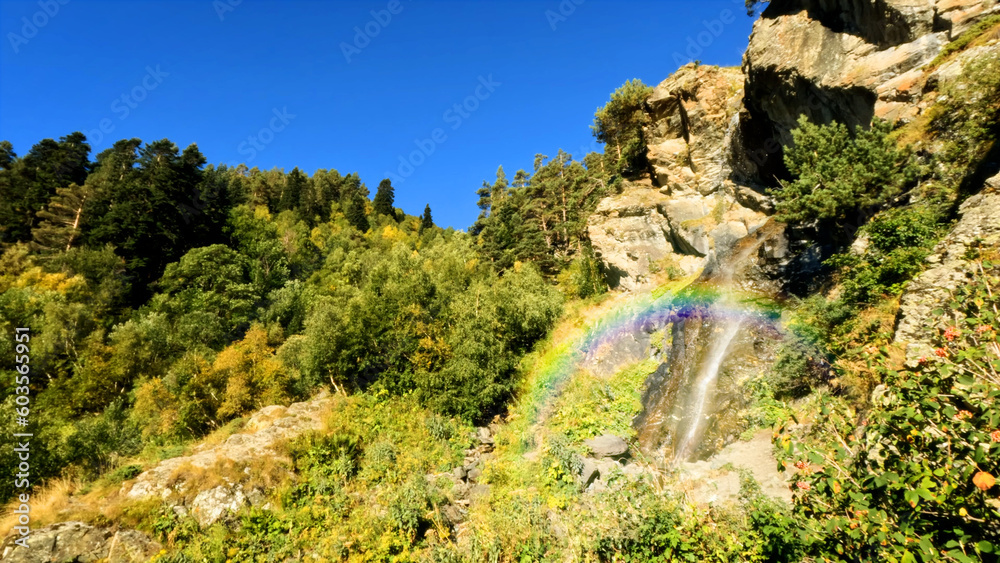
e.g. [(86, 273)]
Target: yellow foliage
[(319, 236), (40, 280), (261, 212), (392, 234), (155, 407), (255, 378)]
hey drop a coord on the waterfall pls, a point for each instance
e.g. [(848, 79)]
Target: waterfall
[(689, 408), (703, 384)]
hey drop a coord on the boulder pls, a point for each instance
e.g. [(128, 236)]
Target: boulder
[(82, 543), (212, 505), (484, 436), (606, 467), (588, 472), (607, 445), (267, 429), (474, 474), (479, 491)]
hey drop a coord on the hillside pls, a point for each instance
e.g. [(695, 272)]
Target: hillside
[(761, 326)]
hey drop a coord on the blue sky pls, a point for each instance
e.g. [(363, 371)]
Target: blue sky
[(451, 88)]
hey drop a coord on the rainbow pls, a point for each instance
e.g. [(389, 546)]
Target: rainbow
[(667, 303)]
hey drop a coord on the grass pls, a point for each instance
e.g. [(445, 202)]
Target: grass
[(981, 29), (591, 406)]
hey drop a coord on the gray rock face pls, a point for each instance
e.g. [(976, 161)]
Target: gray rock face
[(79, 542), (690, 113), (980, 224), (643, 231), (607, 445), (690, 211), (214, 504), (484, 436), (589, 472), (263, 432), (846, 60)]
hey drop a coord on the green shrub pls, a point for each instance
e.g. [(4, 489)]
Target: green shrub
[(801, 366), (840, 174), (899, 242), (408, 507), (968, 118), (563, 463), (584, 278), (124, 473), (915, 477)]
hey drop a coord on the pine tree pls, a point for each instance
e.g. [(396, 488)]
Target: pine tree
[(500, 186), (521, 179), (356, 213), (619, 125), (426, 222), (27, 184), (485, 200), (840, 174), (296, 186), (384, 198), (62, 219)]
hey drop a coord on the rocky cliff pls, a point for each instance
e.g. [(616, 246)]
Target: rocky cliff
[(715, 135), (691, 211), (714, 143), (846, 60)]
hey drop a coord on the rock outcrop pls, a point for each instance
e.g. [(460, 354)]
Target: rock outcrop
[(258, 440), (690, 114), (951, 268), (844, 60), (81, 543), (690, 211), (715, 135)]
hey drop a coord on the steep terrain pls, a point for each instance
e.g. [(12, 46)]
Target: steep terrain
[(640, 416)]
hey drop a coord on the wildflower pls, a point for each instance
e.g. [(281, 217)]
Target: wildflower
[(803, 485), (995, 436), (800, 465), (963, 414), (941, 352), (984, 328), (951, 333), (922, 360)]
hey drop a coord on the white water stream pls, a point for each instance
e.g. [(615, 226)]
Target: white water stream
[(702, 387)]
